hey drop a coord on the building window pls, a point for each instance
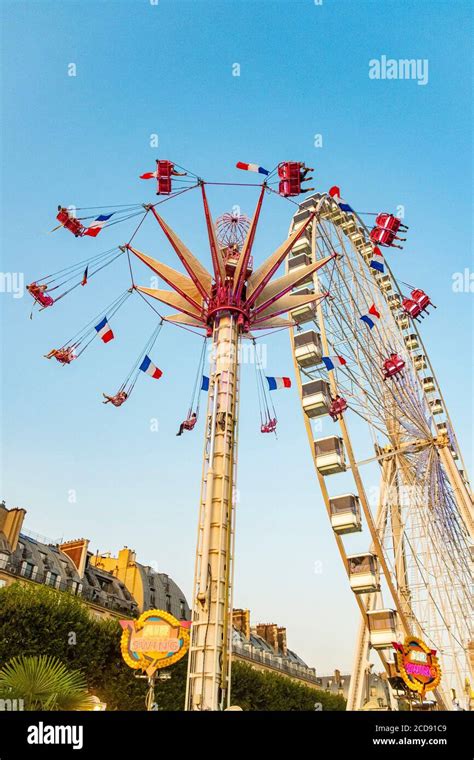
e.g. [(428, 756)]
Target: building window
[(28, 569), (182, 609), (51, 579), (168, 602)]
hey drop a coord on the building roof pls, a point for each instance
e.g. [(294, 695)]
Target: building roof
[(46, 564), (257, 649)]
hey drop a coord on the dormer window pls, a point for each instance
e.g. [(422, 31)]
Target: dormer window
[(51, 579), (28, 569)]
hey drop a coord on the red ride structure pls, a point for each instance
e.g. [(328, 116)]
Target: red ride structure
[(337, 407), (292, 174), (164, 170), (38, 291), (69, 221), (385, 230), (417, 304), (392, 366)]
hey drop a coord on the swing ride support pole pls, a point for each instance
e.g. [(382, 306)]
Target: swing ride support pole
[(209, 661)]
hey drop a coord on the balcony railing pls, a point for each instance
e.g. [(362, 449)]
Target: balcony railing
[(275, 661)]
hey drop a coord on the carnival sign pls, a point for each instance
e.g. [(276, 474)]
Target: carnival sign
[(417, 665), (156, 640)]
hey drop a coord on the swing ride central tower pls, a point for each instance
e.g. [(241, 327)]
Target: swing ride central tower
[(209, 657), (240, 301)]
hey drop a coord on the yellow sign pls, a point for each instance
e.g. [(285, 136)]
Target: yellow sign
[(418, 665), (156, 640)]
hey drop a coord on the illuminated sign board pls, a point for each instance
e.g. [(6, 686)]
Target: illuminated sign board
[(156, 640), (417, 665)]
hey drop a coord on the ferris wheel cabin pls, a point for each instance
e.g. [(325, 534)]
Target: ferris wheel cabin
[(384, 282), (302, 245), (428, 384), (420, 362), (345, 514), (411, 342), (308, 348), (382, 628), (363, 573), (436, 406), (330, 456), (316, 398), (304, 313), (300, 218), (394, 301), (297, 262), (403, 321)]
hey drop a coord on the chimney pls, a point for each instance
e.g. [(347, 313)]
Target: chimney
[(11, 521), (77, 552), (241, 621), (282, 645), (269, 632), (126, 558)]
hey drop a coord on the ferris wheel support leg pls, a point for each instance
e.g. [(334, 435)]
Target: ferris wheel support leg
[(389, 471), (355, 698), (463, 497), (207, 682)]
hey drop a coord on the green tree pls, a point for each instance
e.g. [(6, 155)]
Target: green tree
[(260, 690), (35, 620), (44, 683)]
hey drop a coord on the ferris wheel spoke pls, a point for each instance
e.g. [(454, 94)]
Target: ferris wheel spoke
[(370, 362), (366, 349)]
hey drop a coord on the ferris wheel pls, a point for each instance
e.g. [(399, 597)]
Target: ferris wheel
[(359, 358)]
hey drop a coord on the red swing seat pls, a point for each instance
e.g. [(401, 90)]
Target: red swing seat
[(39, 294), (119, 398), (381, 236), (421, 298), (388, 222), (269, 426), (392, 366), (64, 355), (417, 303), (411, 308), (70, 222), (290, 178), (164, 171)]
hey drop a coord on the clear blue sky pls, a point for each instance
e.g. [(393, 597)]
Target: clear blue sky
[(83, 140)]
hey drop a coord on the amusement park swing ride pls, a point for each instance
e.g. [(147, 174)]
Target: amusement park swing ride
[(357, 354)]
